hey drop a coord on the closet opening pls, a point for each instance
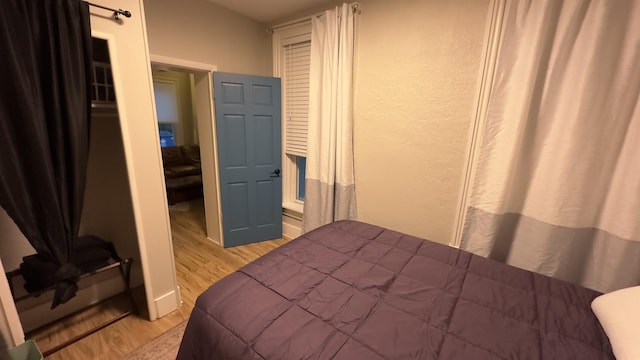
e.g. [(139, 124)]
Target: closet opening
[(107, 214)]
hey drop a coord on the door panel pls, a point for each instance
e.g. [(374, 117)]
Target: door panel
[(264, 192), (235, 141), (238, 210), (264, 146), (248, 127)]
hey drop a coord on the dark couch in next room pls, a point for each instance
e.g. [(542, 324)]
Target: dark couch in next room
[(182, 172)]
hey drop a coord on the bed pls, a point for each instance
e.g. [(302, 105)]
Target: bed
[(351, 290)]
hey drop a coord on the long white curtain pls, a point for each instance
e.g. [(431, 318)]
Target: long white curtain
[(330, 183), (557, 185)]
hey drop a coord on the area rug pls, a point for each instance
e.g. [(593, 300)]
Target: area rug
[(164, 347)]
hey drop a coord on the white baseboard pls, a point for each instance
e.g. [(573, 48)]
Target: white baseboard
[(215, 241), (168, 302), (291, 227)]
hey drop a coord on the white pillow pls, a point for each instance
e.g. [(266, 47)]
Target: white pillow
[(619, 315)]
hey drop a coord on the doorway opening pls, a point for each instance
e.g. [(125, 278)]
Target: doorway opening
[(179, 143), (191, 138)]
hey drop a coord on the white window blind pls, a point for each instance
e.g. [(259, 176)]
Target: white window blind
[(166, 96), (297, 63)]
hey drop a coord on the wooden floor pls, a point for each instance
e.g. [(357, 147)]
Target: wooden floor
[(199, 263)]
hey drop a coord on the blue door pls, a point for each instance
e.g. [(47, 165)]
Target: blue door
[(249, 156)]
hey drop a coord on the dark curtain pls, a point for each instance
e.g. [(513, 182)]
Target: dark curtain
[(45, 106)]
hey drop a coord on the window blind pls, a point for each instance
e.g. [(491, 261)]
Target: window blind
[(166, 96), (297, 64)]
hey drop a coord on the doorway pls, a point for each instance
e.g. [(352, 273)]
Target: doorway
[(202, 109), (179, 143)]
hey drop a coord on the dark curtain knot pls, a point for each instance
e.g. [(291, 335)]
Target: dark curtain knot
[(67, 278)]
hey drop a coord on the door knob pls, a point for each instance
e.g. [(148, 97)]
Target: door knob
[(275, 173)]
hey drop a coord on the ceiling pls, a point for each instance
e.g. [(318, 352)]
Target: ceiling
[(268, 11)]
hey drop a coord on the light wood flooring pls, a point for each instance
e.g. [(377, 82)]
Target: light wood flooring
[(199, 263)]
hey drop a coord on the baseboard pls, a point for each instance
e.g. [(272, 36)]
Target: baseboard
[(215, 241), (291, 227), (168, 302)]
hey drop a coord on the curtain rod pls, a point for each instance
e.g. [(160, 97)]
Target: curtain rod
[(354, 8), (116, 13)]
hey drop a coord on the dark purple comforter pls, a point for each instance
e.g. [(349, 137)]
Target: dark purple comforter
[(350, 290)]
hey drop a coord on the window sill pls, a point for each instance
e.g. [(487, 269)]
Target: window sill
[(297, 207)]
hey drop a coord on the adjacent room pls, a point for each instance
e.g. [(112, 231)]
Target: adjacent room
[(428, 179)]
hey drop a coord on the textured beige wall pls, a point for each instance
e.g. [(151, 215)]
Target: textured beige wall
[(197, 30), (417, 73)]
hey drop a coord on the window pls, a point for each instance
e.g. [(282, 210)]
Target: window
[(102, 90), (166, 97), (167, 134), (301, 165), (292, 57)]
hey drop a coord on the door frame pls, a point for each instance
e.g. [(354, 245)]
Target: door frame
[(203, 96)]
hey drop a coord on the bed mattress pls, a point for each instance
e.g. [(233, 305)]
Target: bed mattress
[(351, 290)]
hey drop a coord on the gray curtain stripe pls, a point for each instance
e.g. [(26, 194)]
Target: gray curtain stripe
[(331, 203), (588, 256)]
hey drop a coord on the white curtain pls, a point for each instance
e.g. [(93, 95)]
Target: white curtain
[(330, 183), (557, 185)]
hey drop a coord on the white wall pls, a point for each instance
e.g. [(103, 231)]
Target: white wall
[(197, 30), (417, 73)]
